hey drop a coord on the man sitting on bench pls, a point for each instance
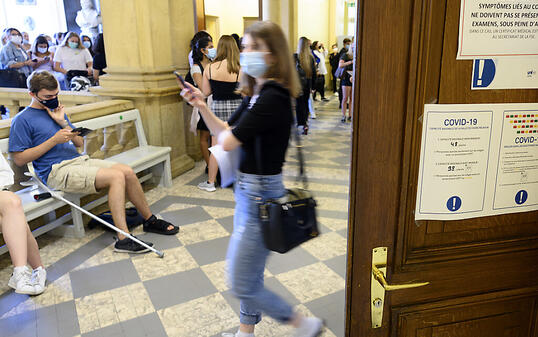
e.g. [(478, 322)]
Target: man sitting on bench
[(41, 134)]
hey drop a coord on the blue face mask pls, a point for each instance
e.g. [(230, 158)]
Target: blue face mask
[(253, 63), (73, 45), (212, 53), (87, 44)]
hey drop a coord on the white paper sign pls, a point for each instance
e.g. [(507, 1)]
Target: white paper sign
[(228, 163), (505, 73), (477, 160), (493, 28)]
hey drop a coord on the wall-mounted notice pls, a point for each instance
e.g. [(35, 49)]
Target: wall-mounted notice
[(495, 28), (477, 160), (505, 73)]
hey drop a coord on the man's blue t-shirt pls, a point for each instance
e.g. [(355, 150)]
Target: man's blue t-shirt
[(30, 128)]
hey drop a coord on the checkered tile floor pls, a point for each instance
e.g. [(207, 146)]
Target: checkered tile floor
[(93, 291)]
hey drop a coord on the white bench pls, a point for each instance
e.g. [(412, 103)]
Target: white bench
[(143, 157)]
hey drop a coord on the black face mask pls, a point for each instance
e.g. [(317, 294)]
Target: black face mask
[(50, 103)]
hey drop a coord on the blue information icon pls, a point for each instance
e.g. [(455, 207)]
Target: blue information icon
[(453, 203), (521, 197)]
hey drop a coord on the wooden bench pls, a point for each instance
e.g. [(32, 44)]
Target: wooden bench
[(155, 159)]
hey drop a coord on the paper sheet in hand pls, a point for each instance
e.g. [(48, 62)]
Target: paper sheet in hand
[(228, 163)]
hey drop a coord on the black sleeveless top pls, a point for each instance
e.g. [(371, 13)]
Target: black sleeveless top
[(223, 90)]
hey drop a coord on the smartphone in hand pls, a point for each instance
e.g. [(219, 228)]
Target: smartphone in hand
[(82, 131), (181, 79)]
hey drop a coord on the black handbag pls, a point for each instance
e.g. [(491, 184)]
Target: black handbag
[(291, 220)]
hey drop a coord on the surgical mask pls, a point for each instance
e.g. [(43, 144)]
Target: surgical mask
[(50, 103), (87, 44), (212, 53), (25, 41), (16, 39), (73, 45), (347, 46), (42, 50), (335, 50), (253, 63)]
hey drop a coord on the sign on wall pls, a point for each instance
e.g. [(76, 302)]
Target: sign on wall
[(477, 160), (493, 28), (505, 73)]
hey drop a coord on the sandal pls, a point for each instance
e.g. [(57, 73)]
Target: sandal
[(159, 226)]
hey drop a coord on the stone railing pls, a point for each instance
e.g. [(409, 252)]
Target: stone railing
[(101, 143), (13, 98)]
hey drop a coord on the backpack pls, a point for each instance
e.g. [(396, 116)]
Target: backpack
[(133, 218)]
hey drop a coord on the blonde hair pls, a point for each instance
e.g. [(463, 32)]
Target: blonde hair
[(227, 50), (305, 58), (70, 35), (283, 69), (41, 80)]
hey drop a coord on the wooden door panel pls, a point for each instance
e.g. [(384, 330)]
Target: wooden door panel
[(428, 241), (506, 317), (483, 272)]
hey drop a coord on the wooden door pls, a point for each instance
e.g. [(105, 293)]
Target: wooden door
[(483, 272)]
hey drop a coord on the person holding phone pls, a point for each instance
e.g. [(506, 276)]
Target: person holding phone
[(42, 134), (13, 56), (40, 54), (261, 128)]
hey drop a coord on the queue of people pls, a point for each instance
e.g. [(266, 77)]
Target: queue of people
[(248, 93), (67, 56)]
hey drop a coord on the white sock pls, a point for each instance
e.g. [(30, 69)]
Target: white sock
[(18, 270), (243, 334)]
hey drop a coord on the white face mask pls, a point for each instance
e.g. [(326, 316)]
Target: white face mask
[(42, 50), (15, 39)]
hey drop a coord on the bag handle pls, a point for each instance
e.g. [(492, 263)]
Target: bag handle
[(298, 145)]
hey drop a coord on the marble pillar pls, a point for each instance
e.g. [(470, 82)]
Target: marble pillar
[(145, 41)]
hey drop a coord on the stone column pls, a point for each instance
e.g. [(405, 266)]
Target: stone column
[(145, 41), (285, 14)]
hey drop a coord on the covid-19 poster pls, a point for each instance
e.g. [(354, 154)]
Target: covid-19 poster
[(477, 160), (492, 28)]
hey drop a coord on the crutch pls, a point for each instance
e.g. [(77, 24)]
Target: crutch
[(36, 181)]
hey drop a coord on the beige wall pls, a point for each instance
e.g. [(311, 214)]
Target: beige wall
[(314, 20), (231, 13)]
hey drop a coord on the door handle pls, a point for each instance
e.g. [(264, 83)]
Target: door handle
[(380, 277), (379, 285)]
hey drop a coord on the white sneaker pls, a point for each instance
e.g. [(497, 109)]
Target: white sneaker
[(313, 115), (309, 327), (21, 281), (209, 187), (39, 277)]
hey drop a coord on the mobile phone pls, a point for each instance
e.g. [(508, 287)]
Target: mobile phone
[(181, 79), (82, 131), (34, 60), (47, 58)]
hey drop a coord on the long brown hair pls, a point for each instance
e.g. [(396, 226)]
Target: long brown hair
[(305, 57), (283, 69), (227, 50)]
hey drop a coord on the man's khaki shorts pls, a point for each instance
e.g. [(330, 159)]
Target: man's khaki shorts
[(76, 175)]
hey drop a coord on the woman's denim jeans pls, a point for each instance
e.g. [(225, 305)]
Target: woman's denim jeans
[(247, 253)]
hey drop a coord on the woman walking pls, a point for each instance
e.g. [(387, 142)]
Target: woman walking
[(261, 127)]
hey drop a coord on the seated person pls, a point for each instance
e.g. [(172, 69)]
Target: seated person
[(20, 242), (41, 134), (13, 56), (72, 59)]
